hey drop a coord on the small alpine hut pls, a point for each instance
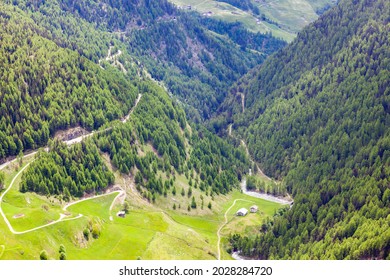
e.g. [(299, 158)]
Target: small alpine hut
[(254, 209), (242, 212), (121, 214)]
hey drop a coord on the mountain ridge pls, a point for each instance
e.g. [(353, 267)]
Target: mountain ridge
[(317, 116)]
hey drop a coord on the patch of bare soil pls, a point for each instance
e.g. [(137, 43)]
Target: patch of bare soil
[(71, 133)]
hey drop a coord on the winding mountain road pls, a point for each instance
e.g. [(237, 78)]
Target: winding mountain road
[(259, 171), (62, 216), (5, 164), (124, 120), (113, 58), (263, 195), (249, 155)]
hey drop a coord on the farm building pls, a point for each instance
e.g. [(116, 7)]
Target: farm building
[(254, 209), (121, 214), (208, 14), (242, 212)]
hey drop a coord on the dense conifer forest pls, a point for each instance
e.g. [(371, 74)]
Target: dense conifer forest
[(45, 88), (68, 172), (169, 98), (197, 59), (210, 163), (317, 117), (58, 75)]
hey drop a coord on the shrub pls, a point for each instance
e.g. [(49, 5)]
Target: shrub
[(95, 231), (62, 256), (86, 234), (43, 255)]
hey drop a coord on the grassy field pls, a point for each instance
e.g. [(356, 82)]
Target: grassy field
[(227, 12), (292, 15), (149, 231), (288, 16)]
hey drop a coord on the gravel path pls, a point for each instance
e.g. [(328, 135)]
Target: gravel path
[(226, 221), (264, 196), (62, 216)]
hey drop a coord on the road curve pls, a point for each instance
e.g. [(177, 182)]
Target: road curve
[(89, 198), (69, 142), (243, 182), (5, 164), (4, 193), (124, 120), (263, 195)]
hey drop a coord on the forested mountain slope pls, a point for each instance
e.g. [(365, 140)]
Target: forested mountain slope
[(53, 77), (53, 53), (317, 116), (283, 18), (154, 146), (197, 59), (44, 87)]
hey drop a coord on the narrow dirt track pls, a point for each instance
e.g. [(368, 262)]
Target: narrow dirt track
[(69, 142), (224, 224)]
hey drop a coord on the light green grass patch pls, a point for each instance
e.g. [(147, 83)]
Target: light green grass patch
[(94, 207), (288, 16), (26, 210), (229, 13), (149, 231)]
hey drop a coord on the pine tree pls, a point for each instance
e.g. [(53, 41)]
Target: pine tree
[(193, 203)]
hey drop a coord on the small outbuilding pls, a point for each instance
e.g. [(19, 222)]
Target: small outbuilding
[(254, 209), (242, 212), (121, 214)]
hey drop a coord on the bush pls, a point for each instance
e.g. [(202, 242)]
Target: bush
[(43, 256), (126, 207), (95, 231), (86, 234), (62, 249), (193, 203), (62, 256)]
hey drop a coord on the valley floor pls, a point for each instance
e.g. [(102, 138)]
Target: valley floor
[(149, 231)]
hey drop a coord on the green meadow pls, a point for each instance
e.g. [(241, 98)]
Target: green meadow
[(148, 231), (287, 16)]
